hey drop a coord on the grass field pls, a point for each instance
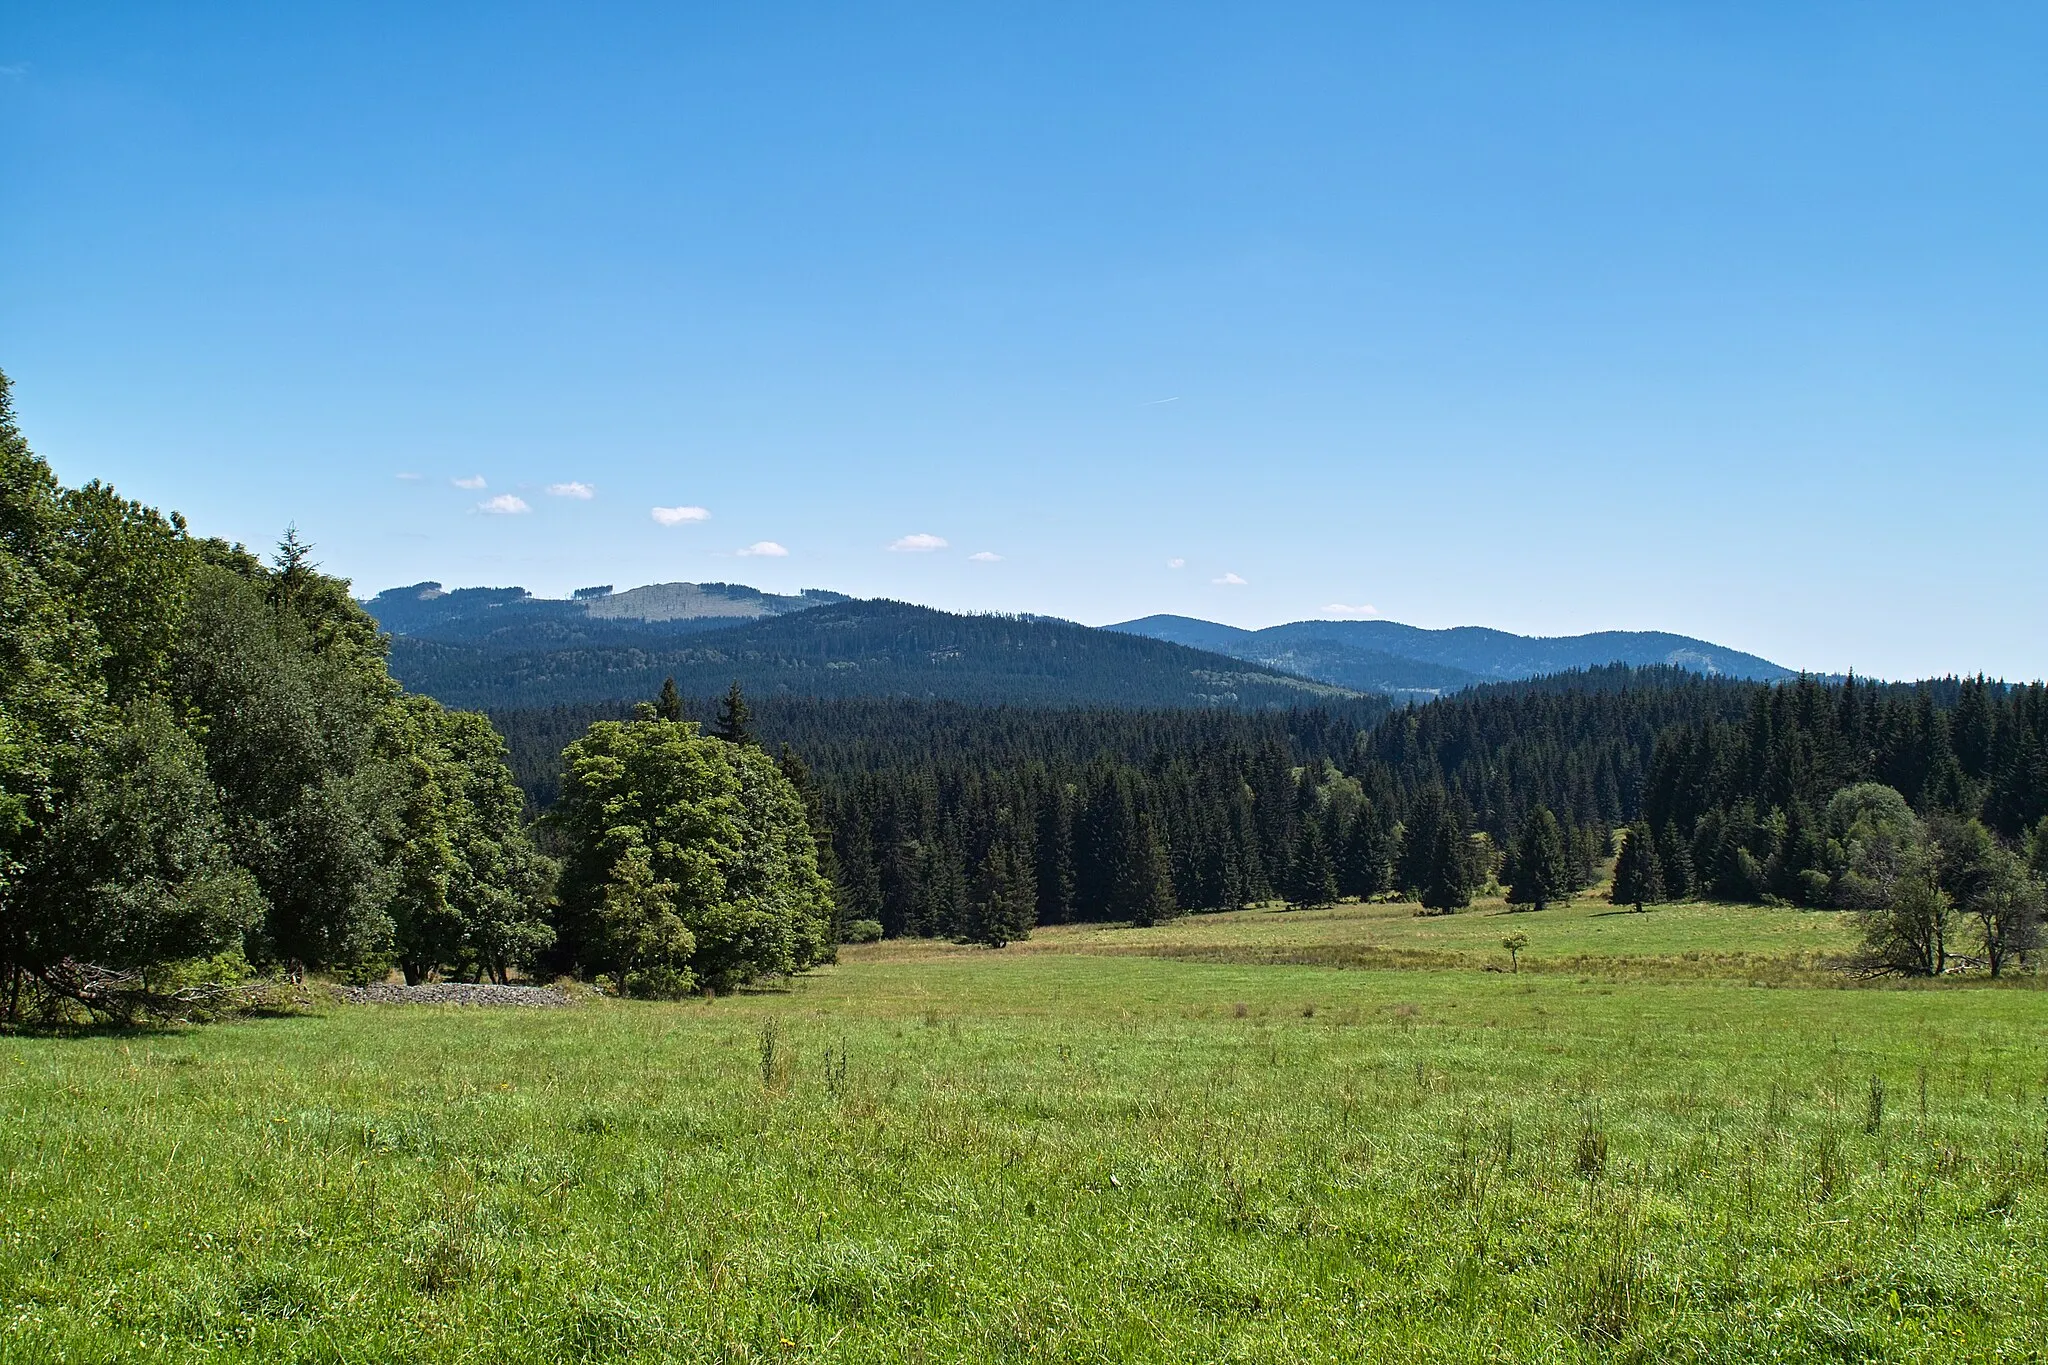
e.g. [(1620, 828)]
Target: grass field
[(1691, 941), (1071, 1151)]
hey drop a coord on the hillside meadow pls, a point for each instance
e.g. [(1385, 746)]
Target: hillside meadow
[(1213, 1140)]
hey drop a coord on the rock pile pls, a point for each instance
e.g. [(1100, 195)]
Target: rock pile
[(453, 993)]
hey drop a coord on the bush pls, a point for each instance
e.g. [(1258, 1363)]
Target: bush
[(861, 931)]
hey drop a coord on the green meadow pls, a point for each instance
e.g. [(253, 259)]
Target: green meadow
[(1278, 1135)]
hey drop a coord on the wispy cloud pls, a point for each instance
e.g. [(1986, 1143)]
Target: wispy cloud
[(504, 505), (676, 516), (472, 483), (1158, 402), (765, 548), (921, 543), (1229, 580), (1176, 563), (14, 71), (986, 557), (408, 478), (1357, 613), (572, 489)]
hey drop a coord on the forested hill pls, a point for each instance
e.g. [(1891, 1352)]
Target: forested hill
[(596, 616), (859, 649), (1406, 661)]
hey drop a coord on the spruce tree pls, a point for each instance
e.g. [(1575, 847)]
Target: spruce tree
[(1150, 880), (1362, 862), (1314, 873), (799, 774), (669, 705), (1541, 871), (1674, 863), (1637, 877), (1447, 871), (735, 717), (1001, 899)]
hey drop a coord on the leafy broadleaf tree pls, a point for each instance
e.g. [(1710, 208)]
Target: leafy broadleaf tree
[(472, 892), (639, 935), (1908, 933), (718, 822), (2004, 905), (132, 872), (292, 698)]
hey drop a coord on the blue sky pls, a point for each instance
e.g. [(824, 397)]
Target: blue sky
[(1723, 319)]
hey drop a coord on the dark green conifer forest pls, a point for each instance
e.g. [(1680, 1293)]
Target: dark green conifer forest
[(1132, 814)]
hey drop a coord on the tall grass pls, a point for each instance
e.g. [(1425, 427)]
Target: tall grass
[(1048, 1157)]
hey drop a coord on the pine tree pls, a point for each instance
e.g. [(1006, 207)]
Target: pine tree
[(735, 717), (1637, 877)]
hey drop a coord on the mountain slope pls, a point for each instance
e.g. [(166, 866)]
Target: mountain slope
[(856, 648), (1386, 656)]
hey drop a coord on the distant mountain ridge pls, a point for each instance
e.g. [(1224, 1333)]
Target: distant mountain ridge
[(1411, 662), (500, 647), (499, 657)]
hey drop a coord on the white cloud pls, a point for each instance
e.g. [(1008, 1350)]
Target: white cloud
[(408, 478), (472, 483), (676, 516), (572, 489), (1176, 563), (1229, 580), (1344, 613), (921, 543), (767, 548), (504, 505), (986, 557)]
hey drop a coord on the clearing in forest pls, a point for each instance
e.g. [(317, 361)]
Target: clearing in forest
[(1068, 1152)]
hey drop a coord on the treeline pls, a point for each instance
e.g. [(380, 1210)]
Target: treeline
[(1744, 808), (208, 776), (206, 772), (950, 819)]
